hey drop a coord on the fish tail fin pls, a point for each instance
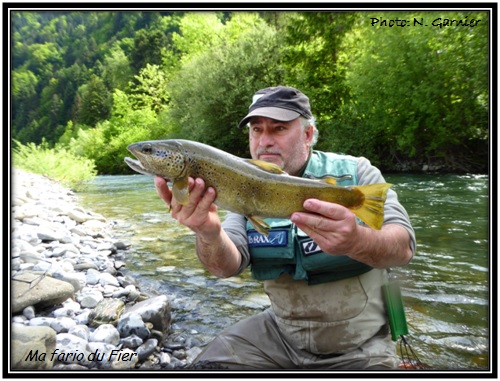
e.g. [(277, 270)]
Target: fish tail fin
[(371, 211)]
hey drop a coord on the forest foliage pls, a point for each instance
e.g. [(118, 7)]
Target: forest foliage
[(90, 83)]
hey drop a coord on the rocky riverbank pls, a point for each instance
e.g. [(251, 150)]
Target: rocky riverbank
[(71, 305)]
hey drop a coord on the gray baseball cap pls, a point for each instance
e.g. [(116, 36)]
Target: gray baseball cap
[(279, 103)]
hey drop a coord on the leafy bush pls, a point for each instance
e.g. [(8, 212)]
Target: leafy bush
[(106, 144), (56, 163)]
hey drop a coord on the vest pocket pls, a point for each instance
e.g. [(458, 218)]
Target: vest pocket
[(274, 249), (321, 267)]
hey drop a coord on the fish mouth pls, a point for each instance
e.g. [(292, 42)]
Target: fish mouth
[(137, 166)]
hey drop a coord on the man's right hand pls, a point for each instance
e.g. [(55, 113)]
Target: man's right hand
[(200, 214), (213, 246)]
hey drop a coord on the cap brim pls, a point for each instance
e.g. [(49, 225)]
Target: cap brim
[(275, 113)]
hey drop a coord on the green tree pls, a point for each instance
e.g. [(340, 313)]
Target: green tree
[(197, 32), (24, 98), (148, 46), (107, 143), (150, 89), (96, 102), (310, 55), (117, 71), (213, 90), (419, 92), (44, 59)]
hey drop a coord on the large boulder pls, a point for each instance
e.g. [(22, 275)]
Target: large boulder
[(155, 310), (31, 347), (30, 289)]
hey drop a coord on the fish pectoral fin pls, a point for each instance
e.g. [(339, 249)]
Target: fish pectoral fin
[(180, 190), (329, 180), (266, 166), (259, 224)]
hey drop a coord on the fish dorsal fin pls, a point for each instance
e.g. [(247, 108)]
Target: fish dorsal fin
[(266, 166), (180, 190), (259, 224), (329, 180)]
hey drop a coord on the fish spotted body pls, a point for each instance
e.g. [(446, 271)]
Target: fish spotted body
[(253, 188)]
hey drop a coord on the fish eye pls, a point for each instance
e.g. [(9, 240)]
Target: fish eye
[(147, 149)]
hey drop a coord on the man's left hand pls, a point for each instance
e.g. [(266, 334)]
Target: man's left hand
[(332, 226)]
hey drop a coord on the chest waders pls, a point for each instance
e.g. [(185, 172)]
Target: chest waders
[(288, 250)]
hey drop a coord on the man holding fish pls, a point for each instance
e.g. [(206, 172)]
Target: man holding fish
[(323, 268)]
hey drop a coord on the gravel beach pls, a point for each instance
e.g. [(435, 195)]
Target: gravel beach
[(71, 306)]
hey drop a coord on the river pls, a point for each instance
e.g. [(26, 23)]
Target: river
[(446, 288)]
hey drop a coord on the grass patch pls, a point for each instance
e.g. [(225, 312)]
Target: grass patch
[(55, 163)]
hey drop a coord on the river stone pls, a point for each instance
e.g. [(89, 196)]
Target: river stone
[(90, 299), (147, 349), (92, 276), (106, 333), (62, 324), (131, 360), (34, 340), (192, 354), (122, 245), (29, 312), (80, 330), (78, 216), (106, 278), (47, 292), (132, 341), (61, 250), (155, 310), (133, 324), (68, 344), (47, 234), (107, 311), (27, 252), (77, 280), (101, 353), (67, 310), (41, 321)]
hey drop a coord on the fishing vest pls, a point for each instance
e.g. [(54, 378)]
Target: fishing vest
[(287, 249)]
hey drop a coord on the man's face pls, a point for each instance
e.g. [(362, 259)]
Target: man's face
[(286, 144)]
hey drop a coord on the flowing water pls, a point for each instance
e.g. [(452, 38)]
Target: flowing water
[(446, 288)]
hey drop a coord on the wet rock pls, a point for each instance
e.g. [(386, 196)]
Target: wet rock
[(147, 349), (132, 324), (132, 341), (155, 310), (107, 311)]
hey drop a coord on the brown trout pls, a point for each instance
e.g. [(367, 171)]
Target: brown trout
[(253, 188)]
